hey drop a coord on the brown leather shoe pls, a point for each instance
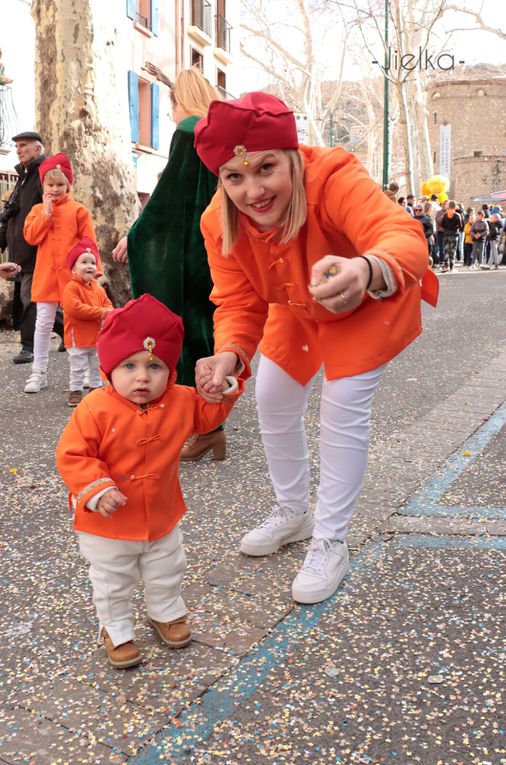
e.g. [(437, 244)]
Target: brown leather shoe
[(175, 634), (121, 656), (75, 397), (200, 445)]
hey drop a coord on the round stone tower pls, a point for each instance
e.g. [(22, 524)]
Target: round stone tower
[(467, 124)]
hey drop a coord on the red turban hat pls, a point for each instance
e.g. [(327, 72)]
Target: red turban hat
[(58, 162), (255, 122), (143, 324), (83, 245)]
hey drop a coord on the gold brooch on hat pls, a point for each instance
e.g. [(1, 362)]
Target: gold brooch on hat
[(241, 152), (149, 344)]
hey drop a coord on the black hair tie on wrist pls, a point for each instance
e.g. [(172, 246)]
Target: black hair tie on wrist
[(370, 271)]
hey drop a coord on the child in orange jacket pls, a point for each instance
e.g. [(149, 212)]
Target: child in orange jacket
[(55, 226), (85, 305), (119, 457)]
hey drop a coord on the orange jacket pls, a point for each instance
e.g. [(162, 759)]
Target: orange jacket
[(261, 287), (109, 441), (55, 236), (83, 312)]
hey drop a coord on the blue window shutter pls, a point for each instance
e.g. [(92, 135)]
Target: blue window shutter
[(133, 104), (155, 115), (155, 17), (131, 9)]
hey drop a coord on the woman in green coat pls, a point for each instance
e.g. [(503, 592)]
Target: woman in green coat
[(165, 248)]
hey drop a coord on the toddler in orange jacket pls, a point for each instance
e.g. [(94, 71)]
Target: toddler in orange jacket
[(85, 305), (55, 226), (119, 457)]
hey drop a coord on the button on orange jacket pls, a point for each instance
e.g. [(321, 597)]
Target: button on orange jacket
[(55, 236), (109, 441), (261, 287), (83, 306)]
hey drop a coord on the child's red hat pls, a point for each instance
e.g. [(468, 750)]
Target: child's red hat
[(57, 162), (255, 122), (143, 324), (83, 245)]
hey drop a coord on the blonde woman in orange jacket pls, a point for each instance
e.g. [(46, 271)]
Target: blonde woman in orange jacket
[(55, 226), (312, 264)]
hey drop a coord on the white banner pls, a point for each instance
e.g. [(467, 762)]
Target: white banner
[(302, 128), (445, 149)]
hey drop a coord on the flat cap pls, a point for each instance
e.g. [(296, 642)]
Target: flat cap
[(28, 135)]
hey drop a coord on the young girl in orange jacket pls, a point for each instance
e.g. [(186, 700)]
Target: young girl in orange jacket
[(119, 457), (314, 265), (85, 305), (55, 226)]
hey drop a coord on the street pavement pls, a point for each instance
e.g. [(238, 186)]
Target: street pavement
[(401, 666)]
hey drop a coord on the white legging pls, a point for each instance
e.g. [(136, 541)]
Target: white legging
[(345, 410), (46, 313)]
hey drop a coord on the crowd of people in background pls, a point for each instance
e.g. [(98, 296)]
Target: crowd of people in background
[(474, 238)]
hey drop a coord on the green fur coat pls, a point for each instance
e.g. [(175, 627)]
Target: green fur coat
[(166, 250)]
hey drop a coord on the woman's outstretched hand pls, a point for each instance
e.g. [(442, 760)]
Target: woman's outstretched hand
[(119, 254), (210, 374), (339, 284)]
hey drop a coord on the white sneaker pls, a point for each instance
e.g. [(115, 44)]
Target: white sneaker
[(324, 568), (36, 382), (280, 528)]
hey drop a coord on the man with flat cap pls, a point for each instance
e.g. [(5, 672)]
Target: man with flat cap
[(27, 193)]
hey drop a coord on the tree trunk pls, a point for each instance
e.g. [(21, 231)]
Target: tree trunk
[(82, 109)]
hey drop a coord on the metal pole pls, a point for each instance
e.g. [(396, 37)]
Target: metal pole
[(386, 127)]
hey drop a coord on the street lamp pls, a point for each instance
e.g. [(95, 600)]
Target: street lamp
[(386, 136)]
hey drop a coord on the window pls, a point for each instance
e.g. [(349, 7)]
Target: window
[(221, 81), (435, 118), (480, 92), (477, 153), (145, 14), (197, 58), (434, 158), (144, 104), (201, 15), (223, 28)]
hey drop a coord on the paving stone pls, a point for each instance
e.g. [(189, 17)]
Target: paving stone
[(446, 526), (105, 716), (28, 739)]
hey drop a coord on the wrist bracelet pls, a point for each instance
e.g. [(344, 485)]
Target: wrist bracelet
[(364, 257)]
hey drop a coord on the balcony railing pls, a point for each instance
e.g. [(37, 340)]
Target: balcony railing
[(142, 20), (201, 15), (223, 30), (226, 95), (8, 117)]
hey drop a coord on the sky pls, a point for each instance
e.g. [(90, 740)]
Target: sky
[(472, 46)]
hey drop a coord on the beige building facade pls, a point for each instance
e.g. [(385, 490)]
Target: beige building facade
[(467, 128)]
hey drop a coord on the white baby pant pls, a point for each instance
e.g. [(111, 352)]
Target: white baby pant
[(117, 566), (82, 360)]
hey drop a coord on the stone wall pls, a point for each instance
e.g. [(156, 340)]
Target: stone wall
[(476, 111)]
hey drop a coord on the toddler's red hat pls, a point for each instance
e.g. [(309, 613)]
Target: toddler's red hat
[(57, 162), (255, 122), (83, 245), (143, 324)]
